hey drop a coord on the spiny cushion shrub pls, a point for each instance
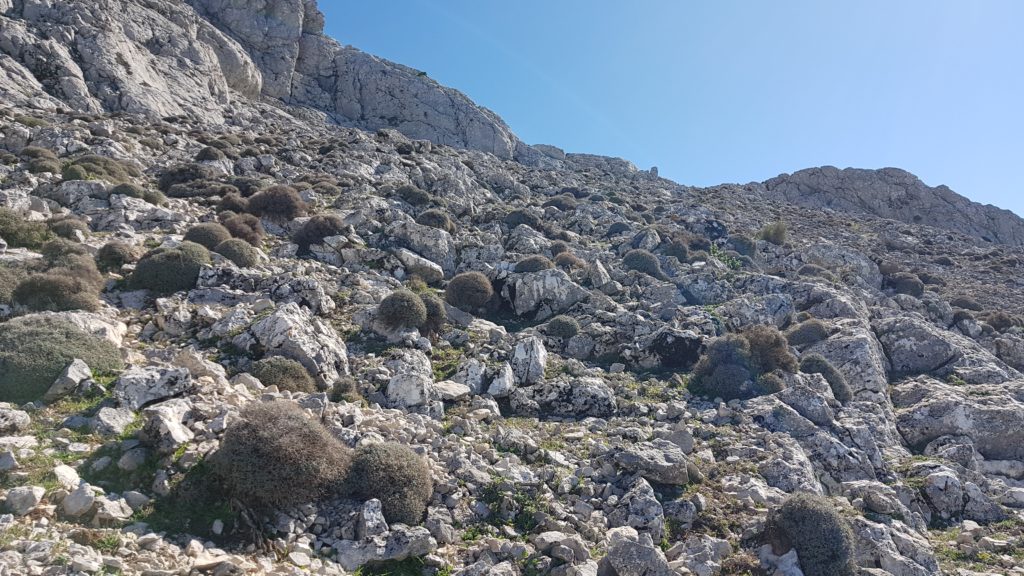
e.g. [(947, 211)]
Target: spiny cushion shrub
[(135, 191), (563, 327), (43, 165), (776, 233), (402, 309), (437, 316), (69, 281), (413, 195), (436, 219), (19, 232), (811, 524), (67, 227), (37, 153), (468, 291), (183, 174), (10, 275), (818, 364), (316, 229), (569, 260), (677, 249), (564, 202), (207, 234), (245, 226), (282, 202), (724, 370), (643, 261), (769, 350), (967, 303), (285, 373), (809, 332), (395, 475), (94, 167), (210, 154), (233, 202), (55, 292), (275, 456), (35, 350), (742, 244), (1000, 321), (522, 216), (168, 270), (115, 254), (243, 254), (533, 264), (618, 228), (734, 366), (905, 283)]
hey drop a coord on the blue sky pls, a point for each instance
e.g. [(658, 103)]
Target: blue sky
[(717, 91)]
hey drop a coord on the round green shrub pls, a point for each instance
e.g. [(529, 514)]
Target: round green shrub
[(395, 475), (535, 263), (522, 216), (468, 291), (569, 261), (436, 219), (275, 456), (563, 327), (21, 233), (55, 292), (643, 261), (413, 195), (67, 227), (769, 350), (285, 373), (245, 226), (35, 350), (114, 255), (208, 234), (809, 332), (316, 229), (823, 540), (402, 309), (818, 364), (280, 202), (168, 270), (776, 233), (437, 315), (243, 254)]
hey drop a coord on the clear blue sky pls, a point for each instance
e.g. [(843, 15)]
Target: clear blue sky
[(717, 91)]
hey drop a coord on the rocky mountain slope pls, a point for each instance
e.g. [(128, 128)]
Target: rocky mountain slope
[(238, 337), (897, 195)]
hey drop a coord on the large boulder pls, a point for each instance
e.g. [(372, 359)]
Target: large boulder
[(295, 333)]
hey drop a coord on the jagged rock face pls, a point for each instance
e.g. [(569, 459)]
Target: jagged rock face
[(164, 58), (155, 58), (897, 195)]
